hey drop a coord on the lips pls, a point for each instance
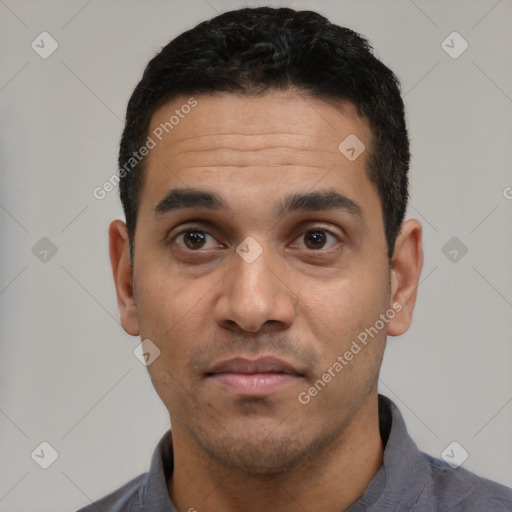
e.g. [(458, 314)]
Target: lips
[(253, 378), (247, 366)]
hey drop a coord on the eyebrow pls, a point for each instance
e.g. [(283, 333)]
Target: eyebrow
[(183, 198)]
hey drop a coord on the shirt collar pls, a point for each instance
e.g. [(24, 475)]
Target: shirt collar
[(154, 493), (401, 478)]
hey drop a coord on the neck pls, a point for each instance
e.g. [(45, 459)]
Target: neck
[(334, 480)]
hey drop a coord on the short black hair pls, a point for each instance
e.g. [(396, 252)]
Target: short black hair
[(253, 50)]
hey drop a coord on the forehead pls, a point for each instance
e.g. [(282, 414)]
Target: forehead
[(295, 119), (248, 145)]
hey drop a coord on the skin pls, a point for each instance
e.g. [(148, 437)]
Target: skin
[(304, 299)]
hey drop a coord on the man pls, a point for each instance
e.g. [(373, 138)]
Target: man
[(264, 261)]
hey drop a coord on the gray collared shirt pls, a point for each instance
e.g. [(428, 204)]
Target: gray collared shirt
[(407, 480)]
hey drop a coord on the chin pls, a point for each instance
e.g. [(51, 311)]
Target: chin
[(264, 452), (255, 457)]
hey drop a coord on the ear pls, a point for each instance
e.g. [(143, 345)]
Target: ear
[(406, 266), (123, 276)]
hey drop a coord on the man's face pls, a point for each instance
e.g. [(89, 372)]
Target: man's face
[(312, 276)]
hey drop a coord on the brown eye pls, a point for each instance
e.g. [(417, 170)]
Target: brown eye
[(194, 239), (315, 239)]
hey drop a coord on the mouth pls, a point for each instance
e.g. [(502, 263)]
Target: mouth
[(252, 378)]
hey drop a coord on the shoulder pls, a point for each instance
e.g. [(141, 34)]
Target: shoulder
[(460, 490), (124, 499), (146, 490)]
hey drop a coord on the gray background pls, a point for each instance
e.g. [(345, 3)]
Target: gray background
[(68, 373)]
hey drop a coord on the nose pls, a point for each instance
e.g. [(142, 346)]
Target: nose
[(254, 294)]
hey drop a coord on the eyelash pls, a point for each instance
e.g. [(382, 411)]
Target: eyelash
[(200, 230)]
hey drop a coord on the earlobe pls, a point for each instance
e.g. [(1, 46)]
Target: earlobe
[(122, 271), (407, 263)]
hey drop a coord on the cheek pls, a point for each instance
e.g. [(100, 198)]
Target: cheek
[(340, 315), (349, 301), (172, 322), (164, 298), (339, 311), (169, 314)]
